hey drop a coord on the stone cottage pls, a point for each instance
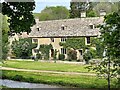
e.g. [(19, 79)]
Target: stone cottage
[(55, 31)]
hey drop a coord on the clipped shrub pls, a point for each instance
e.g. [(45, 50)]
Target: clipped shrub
[(61, 57), (72, 55), (87, 56), (38, 56), (18, 78)]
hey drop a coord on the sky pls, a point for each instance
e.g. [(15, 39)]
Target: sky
[(41, 4)]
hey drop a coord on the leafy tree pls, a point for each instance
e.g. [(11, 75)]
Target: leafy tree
[(23, 48), (97, 42), (78, 7), (91, 13), (20, 15), (54, 13), (44, 49), (107, 6), (110, 34), (5, 29)]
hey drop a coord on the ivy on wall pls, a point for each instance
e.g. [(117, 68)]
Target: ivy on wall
[(75, 43), (45, 50)]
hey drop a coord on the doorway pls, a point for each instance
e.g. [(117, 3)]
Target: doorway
[(52, 52)]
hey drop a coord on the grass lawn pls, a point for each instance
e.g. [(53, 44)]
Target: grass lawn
[(46, 66), (59, 79)]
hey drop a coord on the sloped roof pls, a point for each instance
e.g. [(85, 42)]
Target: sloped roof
[(72, 27)]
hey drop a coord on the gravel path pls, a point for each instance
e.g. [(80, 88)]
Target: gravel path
[(57, 72)]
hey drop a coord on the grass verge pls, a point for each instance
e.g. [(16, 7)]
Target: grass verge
[(59, 79)]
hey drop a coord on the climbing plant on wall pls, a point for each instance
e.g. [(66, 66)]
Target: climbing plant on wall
[(75, 43), (44, 49)]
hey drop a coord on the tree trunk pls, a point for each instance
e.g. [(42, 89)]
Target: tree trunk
[(108, 73)]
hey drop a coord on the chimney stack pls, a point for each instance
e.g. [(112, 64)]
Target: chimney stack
[(102, 12), (83, 14)]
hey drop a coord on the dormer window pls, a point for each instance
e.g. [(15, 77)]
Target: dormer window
[(62, 27), (91, 26), (37, 29)]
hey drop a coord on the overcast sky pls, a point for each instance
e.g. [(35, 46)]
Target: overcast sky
[(41, 4)]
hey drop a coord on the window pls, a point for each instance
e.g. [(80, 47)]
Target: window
[(52, 39), (35, 40), (88, 40), (62, 27), (80, 52), (63, 51), (38, 29), (63, 39), (91, 26)]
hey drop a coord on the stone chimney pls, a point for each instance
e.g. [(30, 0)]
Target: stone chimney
[(83, 14), (102, 12), (36, 20)]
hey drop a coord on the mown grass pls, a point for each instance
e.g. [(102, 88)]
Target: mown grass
[(46, 66), (59, 79)]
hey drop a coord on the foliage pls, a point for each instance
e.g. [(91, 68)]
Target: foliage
[(77, 7), (23, 48), (107, 6), (110, 34), (87, 56), (55, 54), (75, 43), (111, 39), (61, 57), (91, 13), (54, 13), (97, 42), (45, 49), (92, 8), (38, 56), (19, 14), (17, 77), (72, 55), (93, 52), (5, 30)]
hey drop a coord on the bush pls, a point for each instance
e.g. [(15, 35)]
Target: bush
[(30, 79), (18, 78), (72, 55), (93, 53), (87, 56), (61, 57), (38, 56)]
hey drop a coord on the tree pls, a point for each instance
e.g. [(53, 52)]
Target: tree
[(78, 7), (97, 42), (23, 48), (54, 13), (20, 15), (5, 29), (110, 35), (107, 6)]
